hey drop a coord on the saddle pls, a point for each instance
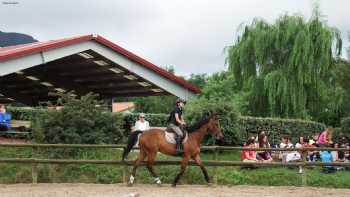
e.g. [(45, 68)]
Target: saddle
[(170, 137)]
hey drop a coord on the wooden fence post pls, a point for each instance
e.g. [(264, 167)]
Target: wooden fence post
[(34, 166), (215, 176), (303, 173), (125, 172)]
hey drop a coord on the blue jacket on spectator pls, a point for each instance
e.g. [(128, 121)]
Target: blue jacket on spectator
[(326, 156), (5, 119)]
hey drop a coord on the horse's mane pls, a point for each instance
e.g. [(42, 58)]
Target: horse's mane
[(204, 120)]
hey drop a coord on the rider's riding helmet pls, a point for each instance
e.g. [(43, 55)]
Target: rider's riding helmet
[(180, 100)]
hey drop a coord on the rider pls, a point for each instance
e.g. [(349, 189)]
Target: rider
[(177, 123)]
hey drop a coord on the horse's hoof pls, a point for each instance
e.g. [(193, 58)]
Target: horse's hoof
[(130, 184), (131, 181), (158, 181), (173, 185), (210, 185)]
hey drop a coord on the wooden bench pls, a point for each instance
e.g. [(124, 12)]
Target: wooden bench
[(18, 129)]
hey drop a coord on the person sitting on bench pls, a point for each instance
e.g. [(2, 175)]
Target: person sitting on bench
[(5, 118)]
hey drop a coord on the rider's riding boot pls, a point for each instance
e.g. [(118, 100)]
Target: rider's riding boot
[(179, 147)]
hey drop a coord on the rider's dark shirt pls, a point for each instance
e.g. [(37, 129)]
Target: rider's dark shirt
[(172, 119)]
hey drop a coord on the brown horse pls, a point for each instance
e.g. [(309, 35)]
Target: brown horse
[(153, 140)]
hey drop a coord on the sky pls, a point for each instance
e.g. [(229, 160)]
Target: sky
[(189, 35)]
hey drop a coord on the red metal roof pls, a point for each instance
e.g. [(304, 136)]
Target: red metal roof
[(12, 52)]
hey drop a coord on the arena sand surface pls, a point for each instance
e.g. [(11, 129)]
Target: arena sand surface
[(119, 190)]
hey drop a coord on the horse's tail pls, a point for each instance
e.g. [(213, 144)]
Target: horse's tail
[(132, 140)]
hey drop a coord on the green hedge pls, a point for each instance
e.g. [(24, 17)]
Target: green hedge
[(20, 113), (247, 126), (276, 127)]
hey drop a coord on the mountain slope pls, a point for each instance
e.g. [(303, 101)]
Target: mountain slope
[(12, 38)]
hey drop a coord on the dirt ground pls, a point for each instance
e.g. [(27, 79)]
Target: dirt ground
[(118, 190)]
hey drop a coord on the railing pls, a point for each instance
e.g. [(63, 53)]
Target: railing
[(213, 163)]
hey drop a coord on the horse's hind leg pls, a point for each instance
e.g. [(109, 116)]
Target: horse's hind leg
[(150, 162), (141, 157)]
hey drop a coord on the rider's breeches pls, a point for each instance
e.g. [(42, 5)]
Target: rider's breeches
[(176, 129)]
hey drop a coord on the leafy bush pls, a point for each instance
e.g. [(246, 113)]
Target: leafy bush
[(226, 111), (79, 122)]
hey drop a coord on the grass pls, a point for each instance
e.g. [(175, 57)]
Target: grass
[(277, 176)]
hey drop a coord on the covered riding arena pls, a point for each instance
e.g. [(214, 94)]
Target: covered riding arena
[(34, 73)]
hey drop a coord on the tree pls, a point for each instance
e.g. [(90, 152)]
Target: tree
[(225, 111), (348, 49), (199, 80), (284, 67), (338, 97), (155, 104), (159, 104)]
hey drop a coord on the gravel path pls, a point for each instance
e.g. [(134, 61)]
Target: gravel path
[(119, 190)]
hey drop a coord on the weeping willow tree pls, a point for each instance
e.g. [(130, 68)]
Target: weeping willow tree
[(285, 65)]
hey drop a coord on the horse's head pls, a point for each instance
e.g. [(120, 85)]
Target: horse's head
[(214, 126)]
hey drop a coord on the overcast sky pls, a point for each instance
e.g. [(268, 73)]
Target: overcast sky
[(189, 35)]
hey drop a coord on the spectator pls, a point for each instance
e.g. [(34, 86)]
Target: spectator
[(261, 134), (264, 156), (313, 140), (249, 155), (325, 137), (5, 119), (347, 155), (311, 155), (335, 154), (288, 156), (336, 157), (326, 156), (300, 143), (344, 141), (141, 124), (304, 143), (284, 144)]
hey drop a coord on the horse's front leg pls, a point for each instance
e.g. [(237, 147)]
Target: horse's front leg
[(198, 160), (141, 157), (150, 163), (184, 163)]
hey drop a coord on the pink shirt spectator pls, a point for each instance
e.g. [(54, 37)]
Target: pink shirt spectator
[(322, 139)]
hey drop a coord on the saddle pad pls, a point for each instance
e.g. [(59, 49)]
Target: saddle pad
[(170, 137)]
